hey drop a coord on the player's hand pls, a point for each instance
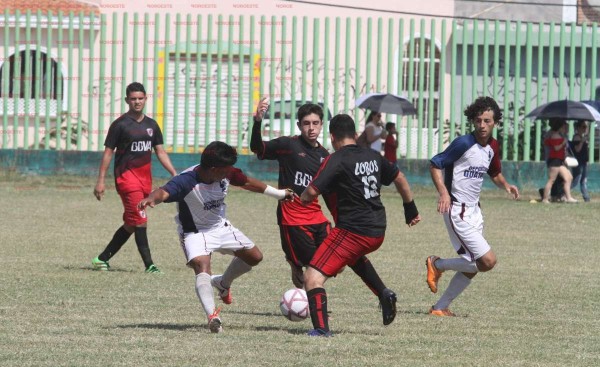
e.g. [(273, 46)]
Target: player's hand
[(443, 203), (262, 107), (289, 195), (512, 189), (414, 221), (144, 204), (99, 190)]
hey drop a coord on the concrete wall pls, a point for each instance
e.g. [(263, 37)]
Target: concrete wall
[(527, 175)]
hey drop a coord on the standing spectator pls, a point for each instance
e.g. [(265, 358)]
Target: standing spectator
[(200, 193), (579, 146), (303, 228), (556, 142), (390, 148), (133, 135), (374, 130), (352, 178), (457, 174)]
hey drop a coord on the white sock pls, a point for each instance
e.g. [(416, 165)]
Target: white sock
[(457, 264), (458, 284), (236, 268), (204, 291)]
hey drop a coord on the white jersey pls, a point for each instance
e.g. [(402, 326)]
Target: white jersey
[(464, 163), (201, 206)]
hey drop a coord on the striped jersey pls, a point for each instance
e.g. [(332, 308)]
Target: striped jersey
[(201, 206), (464, 163)]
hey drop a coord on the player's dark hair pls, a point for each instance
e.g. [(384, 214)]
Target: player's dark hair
[(342, 126), (218, 154), (135, 87), (390, 125), (481, 105), (556, 124), (307, 109)]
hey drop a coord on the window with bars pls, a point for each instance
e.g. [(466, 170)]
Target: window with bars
[(412, 76), (28, 76)]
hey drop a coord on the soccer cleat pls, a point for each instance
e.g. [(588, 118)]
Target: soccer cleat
[(152, 269), (433, 274), (444, 312), (98, 264), (214, 322), (224, 293), (388, 306), (319, 332)]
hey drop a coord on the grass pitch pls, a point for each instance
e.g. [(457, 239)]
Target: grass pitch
[(538, 307)]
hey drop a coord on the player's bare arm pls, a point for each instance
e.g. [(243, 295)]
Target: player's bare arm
[(500, 181), (309, 195), (256, 143), (104, 164), (444, 197), (411, 213), (156, 197), (164, 159), (260, 187)]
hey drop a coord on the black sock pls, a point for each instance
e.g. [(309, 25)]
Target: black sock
[(317, 302), (141, 240), (365, 270), (119, 238)]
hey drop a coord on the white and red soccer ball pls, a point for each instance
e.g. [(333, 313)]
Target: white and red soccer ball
[(294, 304)]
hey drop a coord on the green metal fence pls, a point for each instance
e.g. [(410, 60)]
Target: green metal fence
[(63, 76)]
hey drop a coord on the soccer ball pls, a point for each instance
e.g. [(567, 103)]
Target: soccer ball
[(294, 304)]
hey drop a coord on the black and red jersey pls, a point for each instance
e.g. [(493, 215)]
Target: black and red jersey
[(350, 180), (298, 162), (133, 142)]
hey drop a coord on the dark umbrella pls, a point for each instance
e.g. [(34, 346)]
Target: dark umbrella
[(565, 109), (386, 103)]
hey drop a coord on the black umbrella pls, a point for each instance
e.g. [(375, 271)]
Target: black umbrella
[(386, 103), (565, 109)]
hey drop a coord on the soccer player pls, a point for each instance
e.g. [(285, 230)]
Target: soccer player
[(302, 228), (133, 135), (457, 174), (351, 178), (203, 228)]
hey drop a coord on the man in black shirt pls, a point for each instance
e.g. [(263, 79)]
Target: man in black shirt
[(351, 179)]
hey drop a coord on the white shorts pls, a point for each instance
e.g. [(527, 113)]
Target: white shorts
[(464, 223), (226, 240)]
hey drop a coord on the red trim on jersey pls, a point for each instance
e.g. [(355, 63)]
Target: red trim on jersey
[(495, 167), (293, 213)]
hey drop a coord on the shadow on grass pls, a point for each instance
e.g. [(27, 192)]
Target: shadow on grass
[(176, 327), (89, 268)]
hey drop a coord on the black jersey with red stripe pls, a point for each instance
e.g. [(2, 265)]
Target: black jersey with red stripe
[(133, 142), (350, 179), (298, 162)]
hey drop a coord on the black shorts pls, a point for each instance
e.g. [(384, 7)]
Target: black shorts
[(299, 243), (555, 162)]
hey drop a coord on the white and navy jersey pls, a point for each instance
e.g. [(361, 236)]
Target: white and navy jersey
[(464, 163), (201, 206)]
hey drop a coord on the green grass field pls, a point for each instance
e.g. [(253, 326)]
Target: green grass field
[(538, 307)]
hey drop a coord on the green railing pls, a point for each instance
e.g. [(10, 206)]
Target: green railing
[(63, 76)]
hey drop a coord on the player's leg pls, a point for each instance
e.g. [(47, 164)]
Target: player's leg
[(138, 219), (317, 302), (299, 244), (387, 298), (583, 183), (198, 258), (465, 227), (246, 256), (118, 240)]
